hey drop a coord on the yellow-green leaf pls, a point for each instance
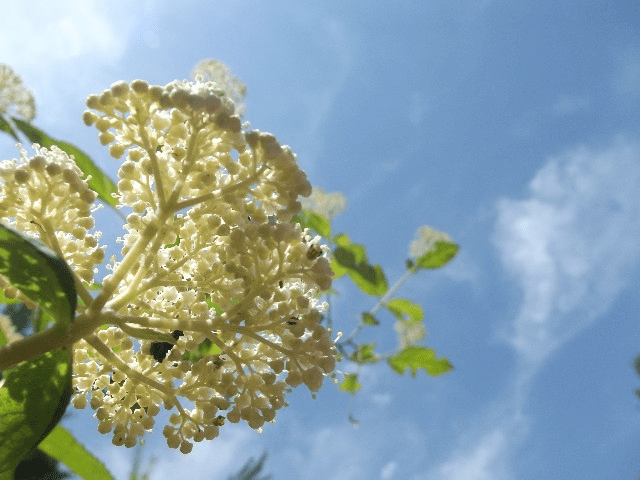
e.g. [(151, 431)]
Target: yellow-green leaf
[(350, 383), (62, 446), (441, 253), (314, 221), (415, 358), (365, 354), (405, 310)]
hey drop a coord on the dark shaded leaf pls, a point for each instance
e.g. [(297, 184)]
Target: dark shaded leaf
[(369, 319), (38, 273), (351, 259), (33, 399)]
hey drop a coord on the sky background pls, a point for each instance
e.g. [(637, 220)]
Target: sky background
[(511, 125)]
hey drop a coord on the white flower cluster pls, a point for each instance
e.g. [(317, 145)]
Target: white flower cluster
[(213, 306), (326, 204), (45, 197), (15, 98)]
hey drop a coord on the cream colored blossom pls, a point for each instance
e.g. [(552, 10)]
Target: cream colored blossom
[(209, 258), (410, 332), (426, 238), (211, 70), (326, 204), (45, 197), (15, 98)]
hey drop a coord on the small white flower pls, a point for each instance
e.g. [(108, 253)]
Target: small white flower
[(426, 238), (15, 98)]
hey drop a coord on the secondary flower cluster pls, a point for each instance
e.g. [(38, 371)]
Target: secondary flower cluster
[(212, 308)]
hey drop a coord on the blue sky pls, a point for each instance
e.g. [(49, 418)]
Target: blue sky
[(511, 125)]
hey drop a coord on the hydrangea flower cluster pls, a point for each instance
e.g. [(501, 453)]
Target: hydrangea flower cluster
[(213, 308)]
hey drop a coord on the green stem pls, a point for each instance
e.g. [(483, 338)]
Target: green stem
[(56, 337)]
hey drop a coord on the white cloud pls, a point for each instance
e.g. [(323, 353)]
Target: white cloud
[(571, 244), (484, 461), (388, 470), (41, 34)]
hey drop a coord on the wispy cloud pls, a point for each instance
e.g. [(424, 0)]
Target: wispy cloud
[(571, 246), (571, 243), (42, 34)]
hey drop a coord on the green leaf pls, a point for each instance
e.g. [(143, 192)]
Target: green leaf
[(3, 340), (177, 242), (365, 354), (33, 399), (369, 319), (441, 253), (415, 357), (351, 259), (61, 445), (314, 221), (350, 383), (99, 181), (207, 347), (7, 128), (405, 310), (38, 273)]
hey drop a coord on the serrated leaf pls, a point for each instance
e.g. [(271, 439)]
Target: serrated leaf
[(314, 221), (441, 253), (350, 383), (405, 310), (415, 358), (7, 128), (369, 319), (351, 259), (62, 446), (38, 273), (365, 354), (33, 399), (99, 181)]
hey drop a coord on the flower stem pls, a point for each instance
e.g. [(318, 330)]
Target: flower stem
[(53, 338)]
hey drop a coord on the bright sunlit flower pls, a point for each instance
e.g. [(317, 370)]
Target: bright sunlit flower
[(211, 70), (212, 307)]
